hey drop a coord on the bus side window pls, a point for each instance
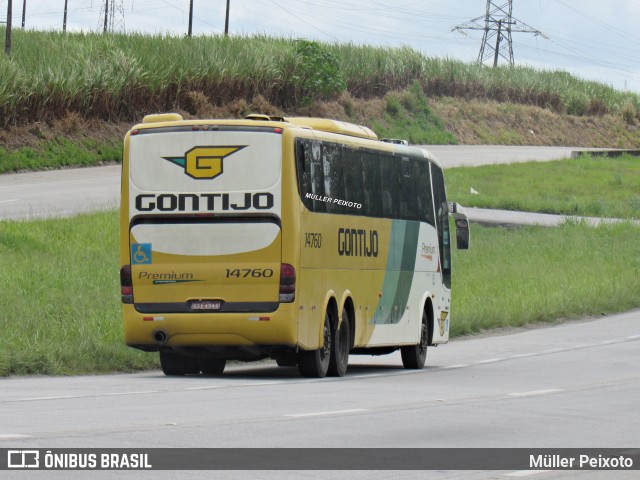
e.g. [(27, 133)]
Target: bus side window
[(303, 168), (353, 189), (332, 162), (317, 176), (423, 192), (389, 170), (442, 217), (372, 206), (407, 191)]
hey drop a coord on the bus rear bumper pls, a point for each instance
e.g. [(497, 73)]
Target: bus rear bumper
[(209, 330)]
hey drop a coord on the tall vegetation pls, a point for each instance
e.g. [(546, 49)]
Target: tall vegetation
[(115, 76)]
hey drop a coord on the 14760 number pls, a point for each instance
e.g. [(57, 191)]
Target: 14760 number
[(249, 272)]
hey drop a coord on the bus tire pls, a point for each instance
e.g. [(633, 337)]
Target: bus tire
[(415, 356), (340, 343), (287, 361), (315, 363), (174, 364), (212, 366)]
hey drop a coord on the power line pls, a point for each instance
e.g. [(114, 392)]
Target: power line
[(111, 16), (499, 23)]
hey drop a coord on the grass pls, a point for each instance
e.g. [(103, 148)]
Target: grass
[(57, 153), (535, 274), (586, 186), (408, 116), (60, 305), (50, 74), (59, 298)]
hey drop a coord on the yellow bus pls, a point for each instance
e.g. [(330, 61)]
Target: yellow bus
[(300, 239)]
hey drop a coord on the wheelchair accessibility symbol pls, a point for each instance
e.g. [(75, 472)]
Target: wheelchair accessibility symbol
[(141, 253)]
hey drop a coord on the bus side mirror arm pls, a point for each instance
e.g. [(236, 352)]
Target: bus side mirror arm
[(462, 226)]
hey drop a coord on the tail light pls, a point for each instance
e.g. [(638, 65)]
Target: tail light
[(126, 284), (287, 283)]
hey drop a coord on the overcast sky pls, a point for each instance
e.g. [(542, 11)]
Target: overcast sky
[(593, 39)]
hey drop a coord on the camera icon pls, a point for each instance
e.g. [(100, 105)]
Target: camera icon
[(23, 459)]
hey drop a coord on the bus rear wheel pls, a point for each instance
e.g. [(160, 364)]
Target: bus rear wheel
[(174, 364), (315, 363), (212, 366), (415, 356), (340, 343)]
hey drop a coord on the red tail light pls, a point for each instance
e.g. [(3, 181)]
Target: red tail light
[(126, 284), (287, 283)]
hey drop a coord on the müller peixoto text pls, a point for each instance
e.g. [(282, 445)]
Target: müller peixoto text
[(580, 461)]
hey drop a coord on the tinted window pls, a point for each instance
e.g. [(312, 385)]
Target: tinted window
[(389, 181), (372, 201), (424, 199), (353, 177), (442, 217), (332, 162), (317, 176), (407, 201), (382, 184)]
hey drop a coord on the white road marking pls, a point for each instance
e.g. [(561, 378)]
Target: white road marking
[(208, 387), (68, 397), (13, 436), (7, 201), (524, 355), (116, 394), (633, 337), (462, 365), (491, 360), (335, 412), (376, 375), (34, 399), (535, 392), (262, 384)]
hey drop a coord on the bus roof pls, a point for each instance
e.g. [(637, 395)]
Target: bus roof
[(322, 124), (312, 123)]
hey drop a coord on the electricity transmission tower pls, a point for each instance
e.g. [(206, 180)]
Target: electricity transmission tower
[(499, 23), (111, 16)]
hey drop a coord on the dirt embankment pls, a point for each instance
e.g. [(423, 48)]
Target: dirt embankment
[(472, 121)]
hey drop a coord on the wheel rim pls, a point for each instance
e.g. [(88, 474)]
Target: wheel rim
[(344, 337), (423, 338), (326, 348)]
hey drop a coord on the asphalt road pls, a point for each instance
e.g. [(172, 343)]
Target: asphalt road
[(71, 191), (571, 385), (475, 155)]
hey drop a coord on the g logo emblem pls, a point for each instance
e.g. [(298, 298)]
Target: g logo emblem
[(204, 162)]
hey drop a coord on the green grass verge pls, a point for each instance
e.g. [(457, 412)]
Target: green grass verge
[(60, 304), (586, 186), (513, 277), (60, 298), (58, 153)]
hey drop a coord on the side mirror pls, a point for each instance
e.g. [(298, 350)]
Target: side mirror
[(462, 234), (462, 226)]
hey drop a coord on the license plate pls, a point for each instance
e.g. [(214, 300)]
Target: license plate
[(206, 305)]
